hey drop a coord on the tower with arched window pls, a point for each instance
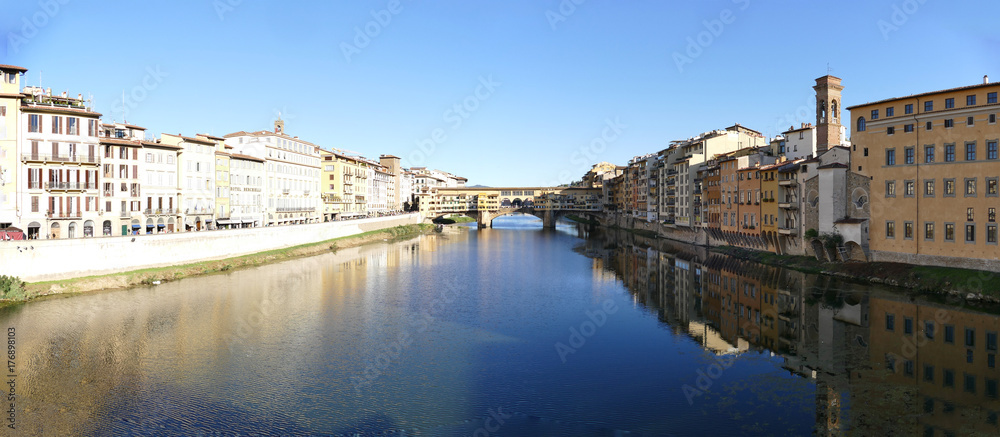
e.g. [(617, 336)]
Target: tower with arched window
[(828, 115)]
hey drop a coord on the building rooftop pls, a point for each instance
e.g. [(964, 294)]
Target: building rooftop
[(12, 67), (911, 96)]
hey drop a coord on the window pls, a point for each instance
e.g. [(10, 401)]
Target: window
[(991, 97), (908, 108), (970, 100), (909, 155), (993, 118), (874, 114), (949, 334), (890, 322), (991, 388), (991, 341), (970, 233), (970, 337), (890, 188), (929, 235), (991, 214), (890, 157), (991, 149), (890, 130), (866, 151), (949, 377), (890, 111), (930, 126), (72, 126), (908, 188), (970, 187), (928, 154), (861, 124), (890, 230), (908, 127), (970, 383), (929, 330), (970, 120), (929, 106), (949, 103), (908, 367), (929, 188), (35, 123), (948, 122), (969, 214), (949, 235), (56, 124), (949, 153), (908, 234)]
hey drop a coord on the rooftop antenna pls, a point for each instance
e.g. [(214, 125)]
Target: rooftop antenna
[(828, 69), (123, 108)]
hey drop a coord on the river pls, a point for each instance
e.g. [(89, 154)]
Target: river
[(514, 330)]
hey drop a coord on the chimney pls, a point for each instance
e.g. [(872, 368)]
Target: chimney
[(48, 91), (64, 93), (986, 79)]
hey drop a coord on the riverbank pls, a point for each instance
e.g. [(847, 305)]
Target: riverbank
[(969, 284), (152, 276), (453, 220)]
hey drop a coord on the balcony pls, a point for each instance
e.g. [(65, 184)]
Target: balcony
[(295, 209), (787, 183), (65, 215), (72, 159), (159, 211), (788, 204), (70, 186), (198, 211), (125, 214), (787, 231)]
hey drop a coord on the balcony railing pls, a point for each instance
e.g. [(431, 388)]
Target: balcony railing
[(38, 157), (159, 211), (64, 215), (788, 204), (295, 209), (70, 186), (787, 231), (204, 210), (787, 182)]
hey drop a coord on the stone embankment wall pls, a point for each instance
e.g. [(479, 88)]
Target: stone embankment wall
[(625, 221), (44, 260)]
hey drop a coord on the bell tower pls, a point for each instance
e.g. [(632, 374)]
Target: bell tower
[(828, 107), (279, 126)]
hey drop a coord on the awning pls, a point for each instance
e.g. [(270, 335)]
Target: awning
[(222, 222), (136, 226), (161, 226)]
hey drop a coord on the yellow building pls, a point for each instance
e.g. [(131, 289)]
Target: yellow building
[(10, 107), (344, 184), (934, 168)]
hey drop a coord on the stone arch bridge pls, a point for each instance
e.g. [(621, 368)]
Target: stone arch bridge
[(486, 204)]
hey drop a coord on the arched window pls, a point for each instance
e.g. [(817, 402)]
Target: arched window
[(833, 110), (861, 124)]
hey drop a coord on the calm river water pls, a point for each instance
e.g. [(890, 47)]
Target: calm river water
[(514, 331)]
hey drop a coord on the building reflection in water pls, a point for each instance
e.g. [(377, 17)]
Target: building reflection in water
[(884, 363)]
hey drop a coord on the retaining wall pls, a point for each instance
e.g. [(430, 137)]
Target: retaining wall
[(44, 260)]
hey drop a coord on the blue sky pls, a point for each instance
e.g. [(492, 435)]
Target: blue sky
[(543, 87)]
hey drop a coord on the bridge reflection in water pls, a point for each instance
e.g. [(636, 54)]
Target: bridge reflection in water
[(884, 363)]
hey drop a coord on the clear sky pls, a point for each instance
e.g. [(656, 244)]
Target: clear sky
[(543, 88)]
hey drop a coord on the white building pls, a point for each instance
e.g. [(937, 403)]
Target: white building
[(195, 180), (246, 190), (158, 167), (121, 177), (59, 165), (293, 171)]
